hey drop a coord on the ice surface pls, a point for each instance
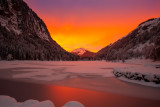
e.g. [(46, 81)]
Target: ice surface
[(92, 75), (55, 71)]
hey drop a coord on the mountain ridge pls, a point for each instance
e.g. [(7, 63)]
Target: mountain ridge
[(142, 42), (24, 36)]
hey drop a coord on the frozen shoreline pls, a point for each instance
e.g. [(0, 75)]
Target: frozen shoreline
[(147, 74), (142, 72), (152, 80)]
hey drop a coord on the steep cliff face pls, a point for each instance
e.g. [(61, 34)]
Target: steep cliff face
[(24, 36), (143, 42)]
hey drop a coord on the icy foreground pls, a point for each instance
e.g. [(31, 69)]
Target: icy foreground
[(6, 101)]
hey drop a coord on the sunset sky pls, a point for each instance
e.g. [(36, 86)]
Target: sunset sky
[(92, 24)]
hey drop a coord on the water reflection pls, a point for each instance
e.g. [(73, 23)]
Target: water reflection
[(60, 95)]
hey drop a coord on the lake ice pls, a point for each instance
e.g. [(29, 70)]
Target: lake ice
[(93, 75)]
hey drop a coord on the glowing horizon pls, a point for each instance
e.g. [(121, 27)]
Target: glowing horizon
[(92, 24)]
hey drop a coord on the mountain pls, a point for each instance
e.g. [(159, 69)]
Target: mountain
[(83, 53), (24, 36), (143, 42)]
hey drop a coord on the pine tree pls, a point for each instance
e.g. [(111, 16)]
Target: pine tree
[(9, 57)]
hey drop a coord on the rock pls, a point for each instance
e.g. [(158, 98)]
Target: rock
[(138, 76)]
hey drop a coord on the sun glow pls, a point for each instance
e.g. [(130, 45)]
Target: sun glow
[(92, 24), (92, 38)]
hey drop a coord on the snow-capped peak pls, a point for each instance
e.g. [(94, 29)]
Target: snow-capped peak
[(79, 51), (148, 25)]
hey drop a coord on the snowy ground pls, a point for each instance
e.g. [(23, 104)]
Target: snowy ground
[(6, 101), (148, 73), (94, 75)]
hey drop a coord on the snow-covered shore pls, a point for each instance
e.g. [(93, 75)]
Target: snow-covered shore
[(148, 73)]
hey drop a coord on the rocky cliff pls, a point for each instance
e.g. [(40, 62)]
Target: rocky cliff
[(24, 36)]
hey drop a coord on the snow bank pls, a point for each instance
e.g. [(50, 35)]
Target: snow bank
[(6, 101), (148, 75), (73, 104)]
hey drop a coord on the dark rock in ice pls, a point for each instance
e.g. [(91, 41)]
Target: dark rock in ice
[(157, 66), (138, 76)]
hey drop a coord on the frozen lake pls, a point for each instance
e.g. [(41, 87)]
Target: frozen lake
[(96, 76), (55, 71)]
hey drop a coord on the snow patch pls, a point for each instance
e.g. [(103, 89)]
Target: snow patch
[(6, 101), (73, 104), (147, 75), (79, 51), (140, 47), (150, 25)]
